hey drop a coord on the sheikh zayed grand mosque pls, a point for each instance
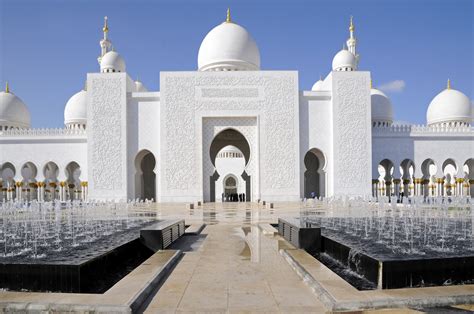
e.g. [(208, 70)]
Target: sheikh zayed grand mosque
[(230, 128)]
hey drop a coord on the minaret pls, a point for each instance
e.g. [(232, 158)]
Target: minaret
[(105, 43), (352, 41)]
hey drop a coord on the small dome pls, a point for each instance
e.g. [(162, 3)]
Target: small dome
[(449, 106), (228, 47), (318, 86), (112, 62), (139, 87), (344, 60), (75, 112), (381, 106), (230, 151), (13, 112)]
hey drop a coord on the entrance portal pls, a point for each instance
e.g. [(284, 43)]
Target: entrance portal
[(230, 155)]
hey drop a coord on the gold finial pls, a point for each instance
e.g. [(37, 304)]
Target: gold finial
[(7, 88), (449, 84), (228, 19), (352, 27), (105, 29), (371, 85)]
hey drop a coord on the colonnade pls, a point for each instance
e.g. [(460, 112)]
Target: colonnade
[(429, 180), (23, 182), (43, 191), (422, 187)]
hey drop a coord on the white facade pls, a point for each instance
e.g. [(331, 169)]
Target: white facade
[(230, 127)]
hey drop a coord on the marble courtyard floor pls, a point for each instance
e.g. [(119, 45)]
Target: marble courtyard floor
[(235, 265)]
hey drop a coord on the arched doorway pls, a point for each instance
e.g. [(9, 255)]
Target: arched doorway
[(51, 172), (238, 157), (73, 172), (7, 172), (145, 176), (29, 172), (407, 169), (386, 168), (450, 171), (230, 184), (314, 176), (468, 170), (229, 165), (428, 169)]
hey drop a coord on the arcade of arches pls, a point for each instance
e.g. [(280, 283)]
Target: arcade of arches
[(49, 181), (451, 179), (45, 183)]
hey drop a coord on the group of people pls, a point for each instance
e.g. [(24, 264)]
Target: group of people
[(233, 197)]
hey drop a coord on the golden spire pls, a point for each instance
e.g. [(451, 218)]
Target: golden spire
[(228, 19), (351, 26), (371, 85), (449, 84), (105, 29), (7, 88)]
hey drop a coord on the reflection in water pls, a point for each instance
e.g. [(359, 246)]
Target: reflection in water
[(248, 216), (251, 239), (246, 253), (209, 216)]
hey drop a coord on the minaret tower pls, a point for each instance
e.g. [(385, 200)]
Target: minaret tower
[(105, 43), (352, 41)]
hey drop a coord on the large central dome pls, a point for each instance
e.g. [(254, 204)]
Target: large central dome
[(228, 47)]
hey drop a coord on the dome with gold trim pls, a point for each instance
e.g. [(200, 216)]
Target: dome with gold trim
[(13, 111), (450, 107), (228, 47)]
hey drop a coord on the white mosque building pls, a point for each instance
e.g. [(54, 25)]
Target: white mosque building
[(231, 128)]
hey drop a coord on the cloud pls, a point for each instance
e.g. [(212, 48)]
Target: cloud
[(396, 86)]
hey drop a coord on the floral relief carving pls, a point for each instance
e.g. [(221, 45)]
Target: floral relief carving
[(105, 126), (278, 107), (352, 137)]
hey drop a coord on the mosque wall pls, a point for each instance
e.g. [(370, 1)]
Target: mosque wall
[(395, 149), (352, 140), (421, 144), (189, 97), (458, 148), (107, 135), (41, 150)]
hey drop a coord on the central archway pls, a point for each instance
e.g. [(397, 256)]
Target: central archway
[(239, 147)]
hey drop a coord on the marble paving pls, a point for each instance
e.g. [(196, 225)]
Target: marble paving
[(235, 266)]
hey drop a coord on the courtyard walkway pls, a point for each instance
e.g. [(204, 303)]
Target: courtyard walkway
[(233, 268)]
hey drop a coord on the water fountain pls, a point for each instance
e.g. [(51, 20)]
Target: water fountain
[(416, 243), (55, 246)]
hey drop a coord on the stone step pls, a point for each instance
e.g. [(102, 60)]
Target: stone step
[(268, 229), (194, 229)]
